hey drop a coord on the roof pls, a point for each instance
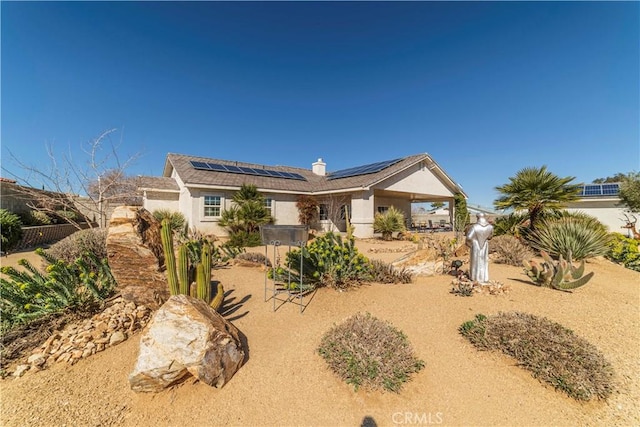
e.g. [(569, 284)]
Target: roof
[(161, 183), (312, 183)]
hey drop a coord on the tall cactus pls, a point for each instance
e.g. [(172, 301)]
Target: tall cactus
[(206, 262), (169, 257), (183, 270), (202, 287), (216, 302)]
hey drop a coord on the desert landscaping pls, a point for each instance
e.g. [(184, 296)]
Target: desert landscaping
[(285, 382)]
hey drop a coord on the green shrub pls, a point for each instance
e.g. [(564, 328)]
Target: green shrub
[(389, 222), (509, 250), (30, 294), (244, 218), (40, 218), (553, 353), (67, 216), (581, 235), (90, 241), (10, 229), (624, 250), (370, 353), (177, 221), (330, 261), (244, 239), (512, 224)]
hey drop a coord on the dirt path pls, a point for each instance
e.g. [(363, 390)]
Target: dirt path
[(285, 382)]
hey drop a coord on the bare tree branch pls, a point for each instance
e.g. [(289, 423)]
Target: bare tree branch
[(87, 185)]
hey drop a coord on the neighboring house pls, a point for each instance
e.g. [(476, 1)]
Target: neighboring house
[(602, 202), (201, 188)]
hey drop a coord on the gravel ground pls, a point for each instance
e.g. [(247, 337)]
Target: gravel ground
[(285, 382)]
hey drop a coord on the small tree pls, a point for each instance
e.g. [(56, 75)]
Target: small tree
[(537, 191), (630, 191), (243, 220), (461, 217), (307, 209)]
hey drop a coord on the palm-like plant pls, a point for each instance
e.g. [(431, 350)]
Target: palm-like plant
[(388, 222), (247, 215), (537, 191)]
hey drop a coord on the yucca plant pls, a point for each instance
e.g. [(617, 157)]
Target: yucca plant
[(580, 235), (389, 222)]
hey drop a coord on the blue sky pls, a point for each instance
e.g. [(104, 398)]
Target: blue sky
[(486, 88)]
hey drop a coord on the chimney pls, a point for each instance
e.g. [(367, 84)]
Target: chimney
[(319, 167)]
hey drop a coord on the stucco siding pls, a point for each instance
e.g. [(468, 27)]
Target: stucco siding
[(606, 211), (161, 200), (417, 178)]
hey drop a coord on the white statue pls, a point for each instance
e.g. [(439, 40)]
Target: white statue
[(478, 241)]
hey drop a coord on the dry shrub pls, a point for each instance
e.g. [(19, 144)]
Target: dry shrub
[(552, 353), (381, 272), (509, 250), (254, 257), (92, 240), (370, 353)]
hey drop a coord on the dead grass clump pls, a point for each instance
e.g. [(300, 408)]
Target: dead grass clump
[(381, 272), (254, 257), (509, 250), (552, 353), (370, 353)]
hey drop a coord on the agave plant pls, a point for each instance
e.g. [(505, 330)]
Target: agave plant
[(561, 275), (580, 235)]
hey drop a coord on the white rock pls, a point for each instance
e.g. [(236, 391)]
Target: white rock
[(117, 337), (186, 337), (20, 370)]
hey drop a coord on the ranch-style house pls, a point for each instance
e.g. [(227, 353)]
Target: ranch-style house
[(201, 188)]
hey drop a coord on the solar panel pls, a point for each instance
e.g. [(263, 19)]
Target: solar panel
[(200, 165), (246, 170), (610, 189), (362, 170), (600, 189)]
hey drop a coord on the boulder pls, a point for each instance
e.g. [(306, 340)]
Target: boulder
[(186, 338), (134, 250)]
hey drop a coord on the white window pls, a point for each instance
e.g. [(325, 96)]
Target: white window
[(323, 214), (268, 205), (212, 206)]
